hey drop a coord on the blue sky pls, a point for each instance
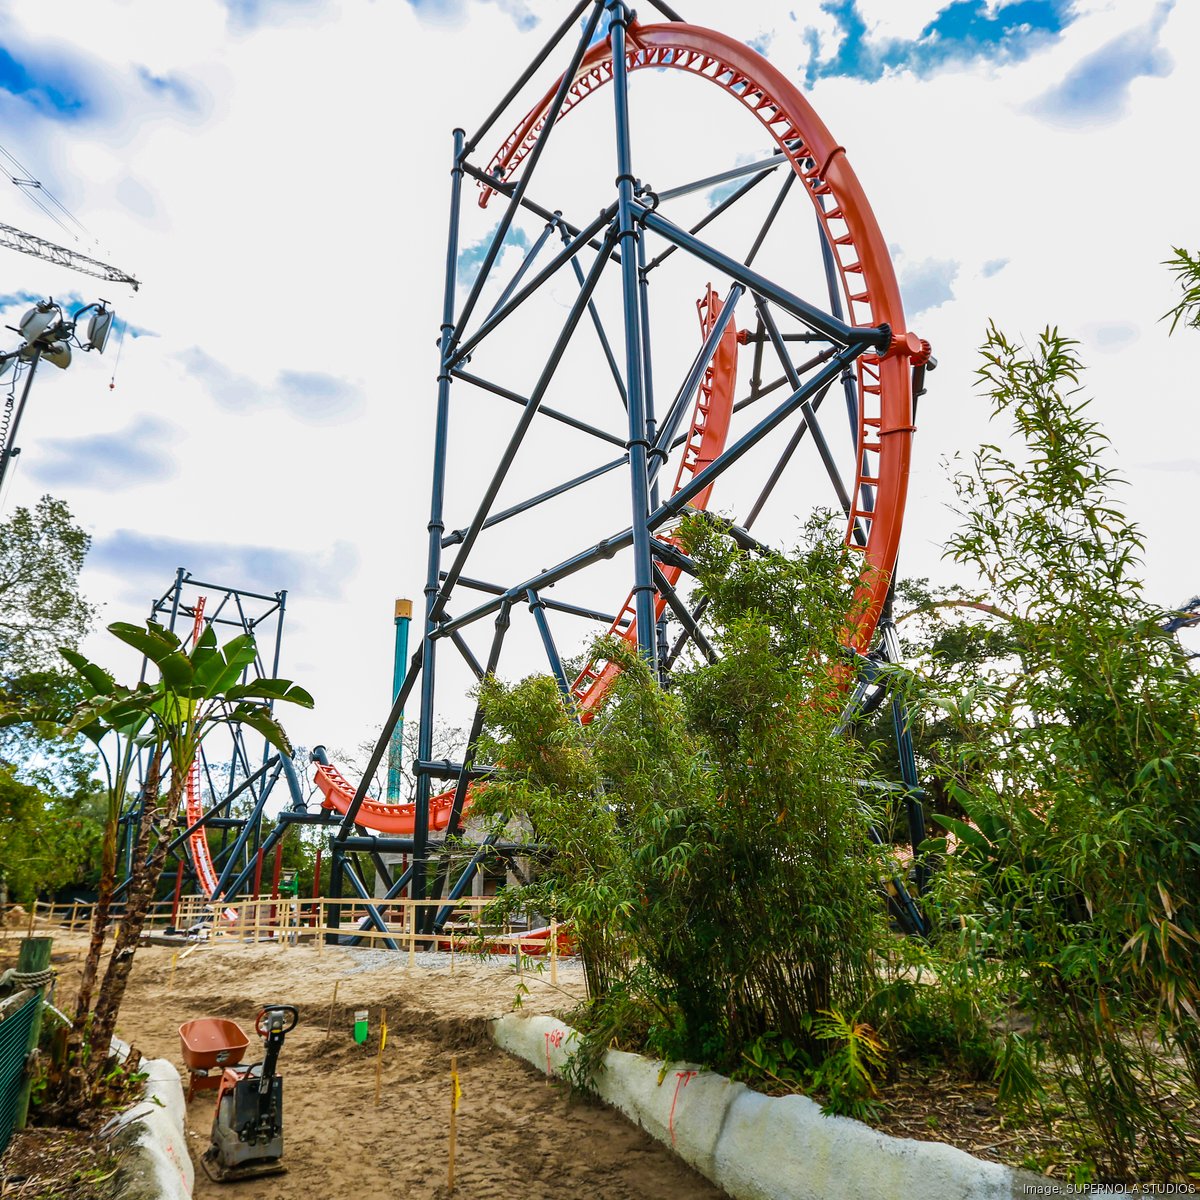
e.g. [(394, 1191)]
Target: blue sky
[(471, 257), (964, 30), (1096, 88), (140, 556), (49, 84), (64, 86)]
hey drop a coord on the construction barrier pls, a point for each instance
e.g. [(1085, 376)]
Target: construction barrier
[(17, 1015), (289, 921)]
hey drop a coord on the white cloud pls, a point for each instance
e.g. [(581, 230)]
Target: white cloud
[(927, 284), (1096, 90)]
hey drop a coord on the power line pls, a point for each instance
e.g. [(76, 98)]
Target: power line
[(32, 187), (28, 243)]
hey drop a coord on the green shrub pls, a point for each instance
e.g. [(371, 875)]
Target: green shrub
[(1078, 766), (709, 843)]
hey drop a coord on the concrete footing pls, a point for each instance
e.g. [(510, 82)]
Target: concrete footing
[(758, 1147), (150, 1142)]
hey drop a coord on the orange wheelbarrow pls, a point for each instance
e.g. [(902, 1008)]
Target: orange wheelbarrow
[(208, 1043)]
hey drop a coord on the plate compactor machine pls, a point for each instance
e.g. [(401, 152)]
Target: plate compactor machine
[(247, 1132)]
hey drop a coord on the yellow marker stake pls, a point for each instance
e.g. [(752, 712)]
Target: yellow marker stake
[(455, 1095), (332, 1005), (379, 1055)]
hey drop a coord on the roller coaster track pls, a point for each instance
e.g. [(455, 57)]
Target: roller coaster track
[(198, 848), (871, 295)]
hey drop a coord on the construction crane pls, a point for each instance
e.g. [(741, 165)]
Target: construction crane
[(28, 243)]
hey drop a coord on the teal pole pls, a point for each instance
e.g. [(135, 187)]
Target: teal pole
[(395, 779)]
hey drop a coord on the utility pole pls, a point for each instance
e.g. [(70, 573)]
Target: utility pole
[(9, 448)]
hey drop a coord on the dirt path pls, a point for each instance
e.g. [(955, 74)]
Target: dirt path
[(519, 1136)]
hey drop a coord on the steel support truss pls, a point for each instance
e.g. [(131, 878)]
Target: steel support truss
[(236, 771), (601, 272)]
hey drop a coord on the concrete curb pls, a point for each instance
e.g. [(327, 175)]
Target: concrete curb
[(149, 1140), (759, 1147)]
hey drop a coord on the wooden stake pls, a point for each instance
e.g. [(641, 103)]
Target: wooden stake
[(554, 954), (329, 1023), (379, 1055), (455, 1092), (321, 928), (32, 915), (412, 935)]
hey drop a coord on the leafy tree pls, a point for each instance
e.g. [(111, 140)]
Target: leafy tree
[(41, 554), (47, 780), (48, 839), (197, 689)]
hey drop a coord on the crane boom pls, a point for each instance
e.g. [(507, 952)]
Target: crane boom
[(28, 243)]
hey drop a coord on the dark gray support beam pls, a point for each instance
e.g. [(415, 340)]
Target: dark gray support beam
[(605, 344), (672, 507), (438, 602), (552, 656), (224, 802), (685, 618), (544, 410), (253, 824), (457, 535), (627, 236), (809, 315), (467, 654), (566, 254), (674, 417), (765, 165), (526, 263), (710, 216), (575, 610), (373, 914), (510, 211), (513, 92), (360, 793)]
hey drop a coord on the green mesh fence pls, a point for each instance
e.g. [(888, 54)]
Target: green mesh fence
[(14, 1038)]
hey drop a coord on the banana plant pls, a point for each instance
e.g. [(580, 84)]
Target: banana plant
[(198, 689)]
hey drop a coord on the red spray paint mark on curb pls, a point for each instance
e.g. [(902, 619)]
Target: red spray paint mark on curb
[(682, 1079), (553, 1038)]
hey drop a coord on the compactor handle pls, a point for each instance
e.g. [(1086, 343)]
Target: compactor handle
[(263, 1025)]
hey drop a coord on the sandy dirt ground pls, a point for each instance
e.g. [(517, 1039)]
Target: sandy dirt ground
[(520, 1136)]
